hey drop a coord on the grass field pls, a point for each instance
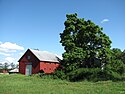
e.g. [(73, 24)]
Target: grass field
[(20, 84)]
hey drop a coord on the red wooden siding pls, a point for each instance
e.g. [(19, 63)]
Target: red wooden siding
[(48, 67), (22, 67)]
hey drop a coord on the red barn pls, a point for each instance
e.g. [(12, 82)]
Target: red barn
[(35, 61)]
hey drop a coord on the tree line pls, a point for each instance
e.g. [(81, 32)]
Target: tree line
[(6, 66)]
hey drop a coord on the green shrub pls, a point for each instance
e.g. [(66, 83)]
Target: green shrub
[(94, 74), (59, 74), (116, 66), (112, 75), (83, 74), (47, 76)]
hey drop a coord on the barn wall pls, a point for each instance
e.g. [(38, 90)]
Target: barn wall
[(22, 67), (33, 60), (35, 67), (48, 67)]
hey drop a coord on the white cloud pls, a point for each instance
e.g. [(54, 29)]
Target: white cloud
[(10, 52), (105, 20), (10, 59), (6, 50), (11, 46), (21, 53), (5, 54), (2, 62)]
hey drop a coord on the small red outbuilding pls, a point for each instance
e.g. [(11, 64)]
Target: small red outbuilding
[(35, 61)]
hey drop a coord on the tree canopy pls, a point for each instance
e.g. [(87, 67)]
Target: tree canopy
[(86, 46)]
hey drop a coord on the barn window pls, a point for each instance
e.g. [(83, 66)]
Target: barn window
[(28, 57)]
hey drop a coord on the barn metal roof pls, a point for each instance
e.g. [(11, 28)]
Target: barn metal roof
[(45, 56), (14, 70)]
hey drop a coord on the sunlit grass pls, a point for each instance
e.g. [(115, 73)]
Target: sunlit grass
[(20, 84)]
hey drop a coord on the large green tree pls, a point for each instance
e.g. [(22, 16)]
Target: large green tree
[(86, 46)]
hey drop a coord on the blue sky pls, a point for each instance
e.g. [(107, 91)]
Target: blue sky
[(36, 24)]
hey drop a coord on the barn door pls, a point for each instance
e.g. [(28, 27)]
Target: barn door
[(28, 70)]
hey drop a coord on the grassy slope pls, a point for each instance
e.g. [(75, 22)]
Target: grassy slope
[(19, 84)]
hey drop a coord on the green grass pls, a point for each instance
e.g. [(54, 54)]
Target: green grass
[(20, 84)]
